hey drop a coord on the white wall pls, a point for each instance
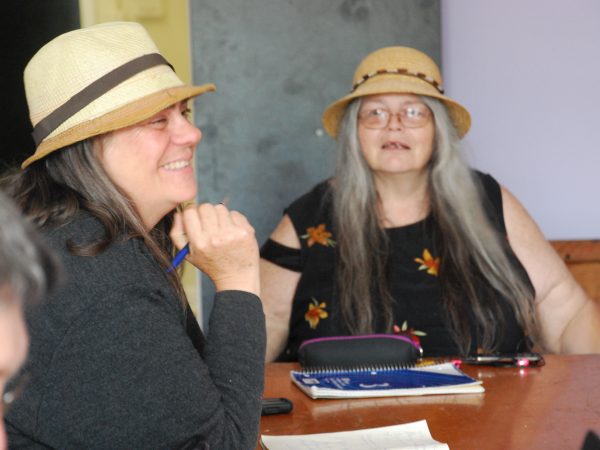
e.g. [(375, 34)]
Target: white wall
[(529, 73)]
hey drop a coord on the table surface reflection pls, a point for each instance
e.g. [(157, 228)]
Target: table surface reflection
[(550, 407)]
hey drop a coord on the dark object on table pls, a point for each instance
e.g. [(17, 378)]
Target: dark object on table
[(592, 441), (279, 405), (370, 350), (506, 360)]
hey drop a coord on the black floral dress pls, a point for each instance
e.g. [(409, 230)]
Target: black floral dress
[(413, 268)]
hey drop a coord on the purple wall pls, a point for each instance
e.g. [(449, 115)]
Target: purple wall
[(529, 73)]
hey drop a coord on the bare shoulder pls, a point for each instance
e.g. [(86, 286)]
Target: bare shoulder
[(542, 263), (285, 233)]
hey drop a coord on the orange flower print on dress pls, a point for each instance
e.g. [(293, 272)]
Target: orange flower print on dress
[(429, 263), (318, 235), (410, 332), (316, 312)]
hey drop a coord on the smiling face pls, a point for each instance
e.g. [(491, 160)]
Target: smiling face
[(152, 161), (395, 148)]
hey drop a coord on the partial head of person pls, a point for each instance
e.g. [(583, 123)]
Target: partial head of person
[(27, 271), (396, 71), (108, 108), (396, 102)]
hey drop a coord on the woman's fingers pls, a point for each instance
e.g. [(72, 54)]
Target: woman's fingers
[(177, 233), (192, 225), (222, 244), (240, 220), (223, 215), (208, 217)]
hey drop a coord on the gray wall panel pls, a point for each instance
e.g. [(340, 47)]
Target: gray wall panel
[(277, 64)]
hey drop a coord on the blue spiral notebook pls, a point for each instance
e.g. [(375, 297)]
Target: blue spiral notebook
[(443, 378)]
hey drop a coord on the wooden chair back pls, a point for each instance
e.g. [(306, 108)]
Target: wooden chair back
[(583, 260)]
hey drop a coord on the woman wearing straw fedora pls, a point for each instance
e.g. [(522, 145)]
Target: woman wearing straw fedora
[(405, 238), (117, 359)]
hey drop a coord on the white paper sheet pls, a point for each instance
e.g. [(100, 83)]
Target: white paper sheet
[(409, 436)]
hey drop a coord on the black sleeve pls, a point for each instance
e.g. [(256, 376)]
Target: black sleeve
[(313, 207), (286, 257), (128, 376), (308, 210), (491, 194)]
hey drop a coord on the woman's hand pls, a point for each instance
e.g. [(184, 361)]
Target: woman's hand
[(222, 245)]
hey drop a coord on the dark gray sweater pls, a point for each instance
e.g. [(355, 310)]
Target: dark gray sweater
[(113, 366)]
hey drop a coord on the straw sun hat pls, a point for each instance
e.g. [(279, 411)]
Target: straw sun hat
[(98, 79), (400, 70)]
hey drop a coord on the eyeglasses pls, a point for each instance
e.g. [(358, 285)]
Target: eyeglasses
[(9, 397), (412, 115)]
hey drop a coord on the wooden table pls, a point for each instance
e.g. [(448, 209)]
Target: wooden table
[(551, 407)]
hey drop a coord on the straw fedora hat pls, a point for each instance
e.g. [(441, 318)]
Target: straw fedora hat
[(98, 79), (396, 70)]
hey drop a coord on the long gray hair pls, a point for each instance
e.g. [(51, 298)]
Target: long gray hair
[(467, 242), (52, 190)]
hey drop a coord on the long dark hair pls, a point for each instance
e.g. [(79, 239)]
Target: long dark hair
[(52, 190)]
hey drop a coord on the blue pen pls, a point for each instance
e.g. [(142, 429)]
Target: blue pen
[(179, 257), (181, 254)]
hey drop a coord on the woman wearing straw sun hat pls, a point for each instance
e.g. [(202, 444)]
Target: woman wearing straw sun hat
[(117, 359), (405, 238)]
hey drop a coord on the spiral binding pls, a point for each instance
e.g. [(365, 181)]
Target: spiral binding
[(355, 369)]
